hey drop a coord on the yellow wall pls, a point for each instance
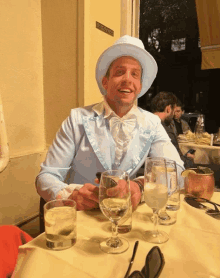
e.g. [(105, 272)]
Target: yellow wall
[(71, 47), (21, 75), (21, 87), (107, 13), (59, 36)]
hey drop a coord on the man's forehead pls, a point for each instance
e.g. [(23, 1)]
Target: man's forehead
[(120, 59)]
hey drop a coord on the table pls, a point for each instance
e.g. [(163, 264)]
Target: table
[(192, 250), (204, 154)]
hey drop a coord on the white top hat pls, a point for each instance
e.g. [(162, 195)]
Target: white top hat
[(127, 46)]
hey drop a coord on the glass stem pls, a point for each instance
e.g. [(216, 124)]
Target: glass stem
[(114, 230), (155, 218), (114, 241)]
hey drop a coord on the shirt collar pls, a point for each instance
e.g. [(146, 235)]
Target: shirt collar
[(103, 107)]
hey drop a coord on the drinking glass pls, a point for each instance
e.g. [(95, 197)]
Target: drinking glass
[(155, 194), (114, 202), (60, 224), (173, 202)]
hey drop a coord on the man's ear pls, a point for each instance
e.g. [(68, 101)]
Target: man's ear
[(105, 82), (168, 109)]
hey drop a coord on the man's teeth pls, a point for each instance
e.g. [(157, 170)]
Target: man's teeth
[(125, 91)]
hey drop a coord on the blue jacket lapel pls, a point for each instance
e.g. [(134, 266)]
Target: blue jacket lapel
[(100, 139), (137, 150)]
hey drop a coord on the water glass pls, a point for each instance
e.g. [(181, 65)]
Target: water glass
[(60, 224), (155, 194), (115, 203), (168, 215)]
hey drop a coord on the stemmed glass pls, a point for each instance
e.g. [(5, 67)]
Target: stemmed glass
[(155, 194), (114, 202), (164, 217)]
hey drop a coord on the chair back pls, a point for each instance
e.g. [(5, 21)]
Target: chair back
[(42, 203)]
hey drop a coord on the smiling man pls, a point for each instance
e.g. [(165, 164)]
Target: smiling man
[(113, 134), (123, 84)]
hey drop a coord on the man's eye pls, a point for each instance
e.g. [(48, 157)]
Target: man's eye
[(136, 74), (119, 72)]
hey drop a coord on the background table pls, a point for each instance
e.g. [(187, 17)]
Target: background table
[(204, 154), (192, 250)]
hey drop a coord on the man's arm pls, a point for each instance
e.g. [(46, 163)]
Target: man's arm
[(50, 182)]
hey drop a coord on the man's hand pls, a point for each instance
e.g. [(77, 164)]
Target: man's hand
[(191, 156), (135, 194), (87, 197)]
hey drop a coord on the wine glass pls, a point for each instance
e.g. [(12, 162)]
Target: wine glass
[(173, 194), (155, 194), (114, 202)]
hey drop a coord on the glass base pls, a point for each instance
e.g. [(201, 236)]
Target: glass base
[(159, 237), (114, 246), (124, 229), (166, 219), (60, 245)]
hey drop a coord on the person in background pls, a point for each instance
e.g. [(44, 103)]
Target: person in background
[(179, 125), (113, 134), (163, 105)]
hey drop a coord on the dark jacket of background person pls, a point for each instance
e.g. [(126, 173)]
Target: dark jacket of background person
[(188, 163)]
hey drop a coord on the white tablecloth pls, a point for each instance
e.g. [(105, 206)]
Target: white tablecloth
[(193, 249), (204, 154)]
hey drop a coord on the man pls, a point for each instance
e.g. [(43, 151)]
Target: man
[(113, 134), (178, 125), (163, 105)]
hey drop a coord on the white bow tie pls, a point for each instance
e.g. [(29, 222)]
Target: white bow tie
[(121, 129)]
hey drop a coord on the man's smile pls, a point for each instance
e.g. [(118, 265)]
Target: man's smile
[(125, 90)]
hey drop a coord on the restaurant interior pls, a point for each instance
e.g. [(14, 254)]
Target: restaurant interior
[(48, 54)]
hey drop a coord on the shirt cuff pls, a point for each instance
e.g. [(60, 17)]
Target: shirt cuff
[(67, 191)]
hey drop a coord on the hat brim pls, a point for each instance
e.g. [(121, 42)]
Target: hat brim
[(148, 64)]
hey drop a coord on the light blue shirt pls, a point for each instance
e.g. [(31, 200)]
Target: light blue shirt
[(84, 146)]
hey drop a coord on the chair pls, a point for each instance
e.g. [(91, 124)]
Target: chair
[(42, 203)]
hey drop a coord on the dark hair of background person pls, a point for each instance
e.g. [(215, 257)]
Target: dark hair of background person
[(162, 100), (180, 104)]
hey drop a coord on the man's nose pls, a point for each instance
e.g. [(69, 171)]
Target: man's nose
[(127, 75)]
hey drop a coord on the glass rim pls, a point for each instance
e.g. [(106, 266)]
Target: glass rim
[(60, 200), (156, 158), (121, 172)]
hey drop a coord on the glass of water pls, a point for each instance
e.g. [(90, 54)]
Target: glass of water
[(60, 224), (114, 202), (155, 194), (168, 215)]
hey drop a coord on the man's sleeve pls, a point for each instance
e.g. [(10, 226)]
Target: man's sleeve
[(59, 157)]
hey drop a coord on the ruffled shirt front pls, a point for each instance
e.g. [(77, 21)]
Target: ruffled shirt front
[(122, 130)]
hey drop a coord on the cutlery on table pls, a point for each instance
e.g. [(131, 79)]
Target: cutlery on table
[(132, 259)]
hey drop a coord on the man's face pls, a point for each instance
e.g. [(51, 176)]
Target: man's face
[(169, 116), (124, 82), (178, 113)]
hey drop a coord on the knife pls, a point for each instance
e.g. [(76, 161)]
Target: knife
[(132, 259)]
